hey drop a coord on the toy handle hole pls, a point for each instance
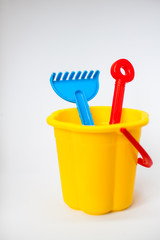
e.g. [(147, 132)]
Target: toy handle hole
[(123, 71)]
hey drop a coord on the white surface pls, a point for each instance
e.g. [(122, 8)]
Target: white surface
[(37, 38)]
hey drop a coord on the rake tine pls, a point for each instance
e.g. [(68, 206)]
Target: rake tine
[(90, 74), (71, 75), (96, 74), (52, 78), (65, 76), (84, 74), (59, 76), (78, 75)]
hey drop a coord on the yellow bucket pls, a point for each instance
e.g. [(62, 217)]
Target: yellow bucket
[(97, 163)]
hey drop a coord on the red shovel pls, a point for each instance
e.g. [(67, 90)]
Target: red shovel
[(121, 80)]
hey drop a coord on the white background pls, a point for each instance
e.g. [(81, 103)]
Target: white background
[(37, 38)]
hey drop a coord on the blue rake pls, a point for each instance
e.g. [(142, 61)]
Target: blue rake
[(77, 88)]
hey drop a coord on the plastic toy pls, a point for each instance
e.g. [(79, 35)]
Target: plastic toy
[(97, 163), (145, 161), (121, 80), (116, 110), (78, 90)]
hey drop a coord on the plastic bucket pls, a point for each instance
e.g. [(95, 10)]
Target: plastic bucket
[(97, 163)]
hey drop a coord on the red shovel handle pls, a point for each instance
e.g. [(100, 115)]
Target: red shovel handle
[(145, 161), (121, 80)]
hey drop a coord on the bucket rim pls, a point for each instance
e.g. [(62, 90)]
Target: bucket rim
[(51, 120)]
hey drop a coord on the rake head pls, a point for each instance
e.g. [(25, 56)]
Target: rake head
[(66, 85)]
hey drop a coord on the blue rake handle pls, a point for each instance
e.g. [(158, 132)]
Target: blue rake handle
[(83, 108)]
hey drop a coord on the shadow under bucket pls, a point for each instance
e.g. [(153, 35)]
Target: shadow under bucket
[(97, 163)]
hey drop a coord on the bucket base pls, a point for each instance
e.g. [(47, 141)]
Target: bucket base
[(99, 213)]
